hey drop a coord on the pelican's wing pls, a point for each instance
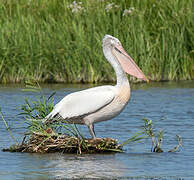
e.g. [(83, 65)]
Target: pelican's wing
[(83, 102)]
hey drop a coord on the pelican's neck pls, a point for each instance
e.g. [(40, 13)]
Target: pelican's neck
[(122, 79)]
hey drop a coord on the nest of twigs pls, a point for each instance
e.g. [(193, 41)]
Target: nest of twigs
[(49, 143)]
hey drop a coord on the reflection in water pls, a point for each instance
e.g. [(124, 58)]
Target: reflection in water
[(82, 166)]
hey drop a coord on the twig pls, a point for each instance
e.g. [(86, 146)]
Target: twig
[(8, 128), (179, 139)]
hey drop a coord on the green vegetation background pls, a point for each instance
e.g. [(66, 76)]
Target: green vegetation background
[(61, 41)]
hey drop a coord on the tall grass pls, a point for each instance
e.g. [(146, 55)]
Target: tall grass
[(49, 41)]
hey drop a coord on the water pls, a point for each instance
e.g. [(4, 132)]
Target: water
[(169, 105)]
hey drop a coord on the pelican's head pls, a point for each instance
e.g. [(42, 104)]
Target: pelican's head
[(109, 40), (128, 64)]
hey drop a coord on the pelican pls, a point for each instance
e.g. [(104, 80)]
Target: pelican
[(104, 102)]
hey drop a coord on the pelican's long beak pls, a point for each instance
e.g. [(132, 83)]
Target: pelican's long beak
[(127, 63)]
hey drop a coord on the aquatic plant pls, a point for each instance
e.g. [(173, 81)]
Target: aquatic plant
[(60, 41), (35, 110), (157, 137)]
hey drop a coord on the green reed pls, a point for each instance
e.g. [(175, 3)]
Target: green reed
[(49, 41), (34, 113)]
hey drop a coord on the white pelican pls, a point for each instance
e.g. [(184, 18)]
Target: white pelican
[(104, 102)]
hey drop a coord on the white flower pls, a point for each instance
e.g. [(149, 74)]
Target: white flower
[(128, 11), (76, 7), (111, 6)]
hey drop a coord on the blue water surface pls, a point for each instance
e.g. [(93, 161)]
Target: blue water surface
[(169, 105)]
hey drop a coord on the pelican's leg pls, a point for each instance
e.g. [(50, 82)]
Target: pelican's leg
[(92, 132)]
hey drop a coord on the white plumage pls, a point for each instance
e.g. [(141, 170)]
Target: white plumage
[(100, 103), (81, 103)]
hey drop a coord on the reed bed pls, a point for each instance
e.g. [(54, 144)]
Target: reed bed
[(60, 40)]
